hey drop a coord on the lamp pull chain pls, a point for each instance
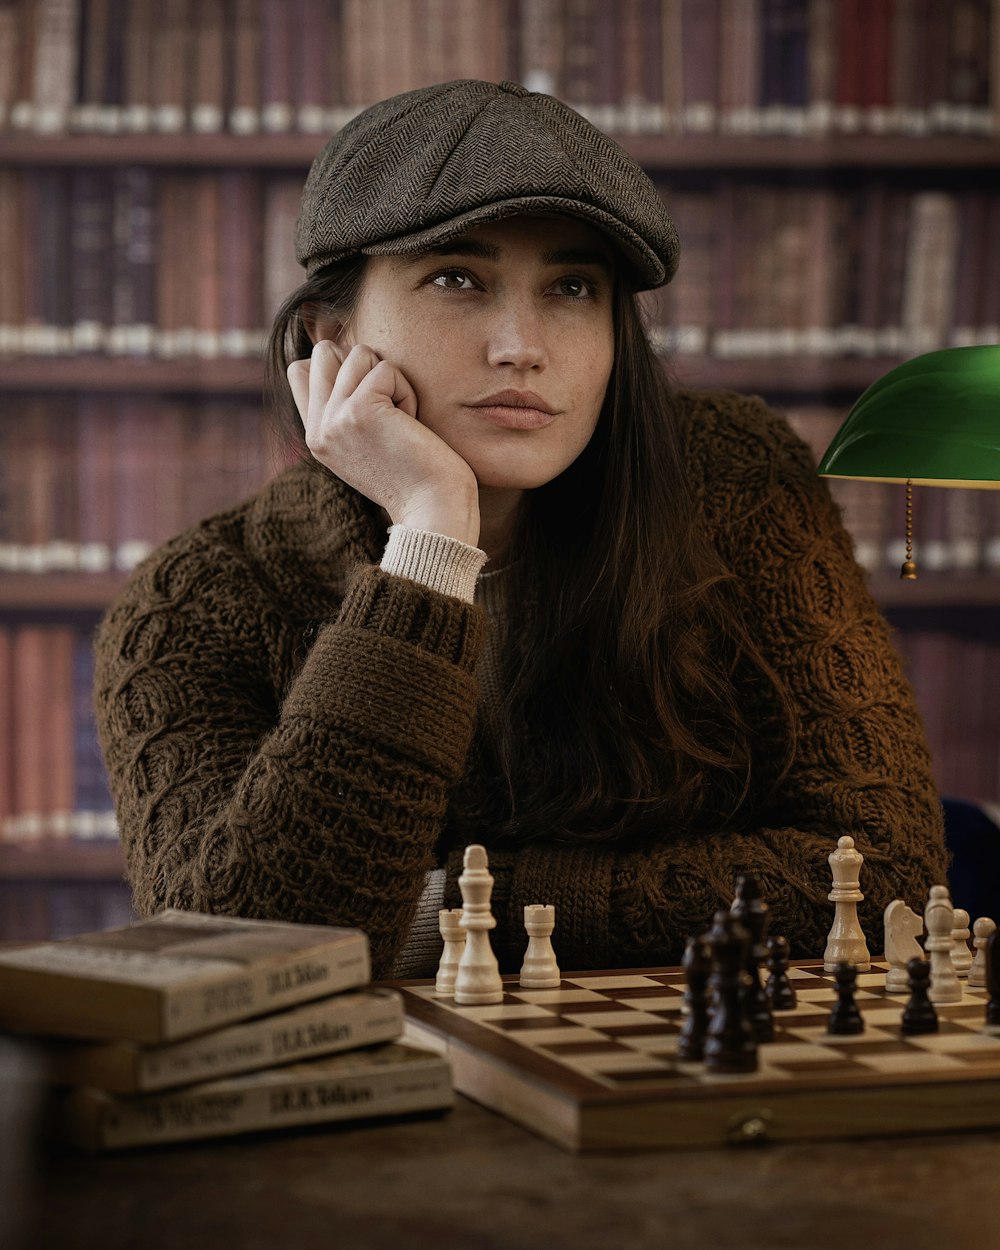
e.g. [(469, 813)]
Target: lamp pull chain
[(909, 570)]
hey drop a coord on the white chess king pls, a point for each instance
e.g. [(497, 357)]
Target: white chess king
[(846, 941), (477, 980)]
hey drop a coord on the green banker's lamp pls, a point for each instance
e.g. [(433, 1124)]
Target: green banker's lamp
[(932, 421)]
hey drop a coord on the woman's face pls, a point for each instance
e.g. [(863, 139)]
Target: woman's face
[(506, 336)]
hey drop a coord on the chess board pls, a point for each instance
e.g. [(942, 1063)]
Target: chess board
[(593, 1064)]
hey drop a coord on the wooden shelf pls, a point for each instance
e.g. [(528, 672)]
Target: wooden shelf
[(657, 153), (56, 859), (937, 590), (92, 592), (58, 592), (849, 375), (109, 373)]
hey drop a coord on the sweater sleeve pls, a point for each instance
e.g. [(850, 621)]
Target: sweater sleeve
[(321, 802), (861, 765)]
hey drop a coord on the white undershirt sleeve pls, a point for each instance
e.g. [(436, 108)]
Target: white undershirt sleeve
[(444, 564)]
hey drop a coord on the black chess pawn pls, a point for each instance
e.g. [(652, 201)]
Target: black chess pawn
[(697, 965), (845, 1019), (751, 911), (919, 1015), (992, 1024), (778, 988), (729, 1042)]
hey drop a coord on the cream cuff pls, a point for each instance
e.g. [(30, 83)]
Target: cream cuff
[(445, 564)]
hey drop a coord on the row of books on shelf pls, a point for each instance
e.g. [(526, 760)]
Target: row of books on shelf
[(92, 483), (168, 264), (876, 269), (53, 784), (956, 679), (744, 66), (128, 261), (186, 1026)]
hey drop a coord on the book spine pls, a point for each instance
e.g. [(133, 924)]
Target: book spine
[(91, 251), (13, 240), (54, 64), (244, 102), (190, 1009), (226, 1108), (9, 59), (8, 768), (972, 247), (316, 78), (93, 809), (277, 108), (171, 49), (927, 297), (343, 1022), (137, 66), (208, 71), (31, 740), (700, 32)]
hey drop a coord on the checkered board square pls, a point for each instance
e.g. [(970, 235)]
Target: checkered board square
[(593, 1064)]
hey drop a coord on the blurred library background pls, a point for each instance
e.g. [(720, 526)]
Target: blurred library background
[(834, 170)]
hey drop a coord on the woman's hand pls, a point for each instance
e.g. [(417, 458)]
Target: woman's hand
[(360, 419)]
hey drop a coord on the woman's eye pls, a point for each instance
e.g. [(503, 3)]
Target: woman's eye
[(453, 280), (576, 288)]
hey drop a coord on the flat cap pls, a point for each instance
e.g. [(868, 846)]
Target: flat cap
[(420, 168)]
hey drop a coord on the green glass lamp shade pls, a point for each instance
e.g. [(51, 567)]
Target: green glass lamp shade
[(932, 421)]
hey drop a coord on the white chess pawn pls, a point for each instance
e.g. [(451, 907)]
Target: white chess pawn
[(450, 926), (478, 978), (961, 956), (540, 970), (902, 928), (846, 942), (938, 917), (981, 931)]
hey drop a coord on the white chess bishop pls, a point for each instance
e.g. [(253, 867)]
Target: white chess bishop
[(939, 916)]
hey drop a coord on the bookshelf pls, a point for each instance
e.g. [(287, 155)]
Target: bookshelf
[(747, 112)]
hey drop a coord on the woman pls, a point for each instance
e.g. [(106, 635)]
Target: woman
[(518, 591)]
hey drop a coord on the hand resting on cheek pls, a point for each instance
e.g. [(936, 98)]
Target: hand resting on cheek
[(360, 418)]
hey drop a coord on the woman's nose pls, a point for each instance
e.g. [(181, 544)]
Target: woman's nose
[(516, 336)]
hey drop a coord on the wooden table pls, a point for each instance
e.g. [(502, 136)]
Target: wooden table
[(471, 1179)]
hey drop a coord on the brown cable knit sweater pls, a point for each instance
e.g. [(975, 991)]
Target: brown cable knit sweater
[(289, 730)]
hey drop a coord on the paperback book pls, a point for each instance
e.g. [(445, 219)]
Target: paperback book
[(175, 975), (390, 1079), (344, 1021)]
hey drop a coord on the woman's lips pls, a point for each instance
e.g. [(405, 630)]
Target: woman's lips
[(516, 410)]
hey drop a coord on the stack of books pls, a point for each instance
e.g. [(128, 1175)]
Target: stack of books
[(187, 1026)]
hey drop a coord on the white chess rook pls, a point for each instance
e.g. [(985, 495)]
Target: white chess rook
[(540, 970), (938, 917), (450, 926), (478, 978), (846, 941)]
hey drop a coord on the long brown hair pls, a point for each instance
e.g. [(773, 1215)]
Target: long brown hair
[(629, 647)]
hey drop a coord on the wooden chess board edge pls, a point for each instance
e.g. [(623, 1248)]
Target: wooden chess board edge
[(733, 1116)]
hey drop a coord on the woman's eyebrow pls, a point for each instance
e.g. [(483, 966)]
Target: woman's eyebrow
[(489, 251), (456, 247), (577, 256)]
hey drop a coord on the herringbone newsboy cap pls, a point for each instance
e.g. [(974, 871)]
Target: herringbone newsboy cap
[(424, 166)]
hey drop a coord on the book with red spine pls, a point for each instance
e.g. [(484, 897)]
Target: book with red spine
[(209, 69), (700, 65)]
